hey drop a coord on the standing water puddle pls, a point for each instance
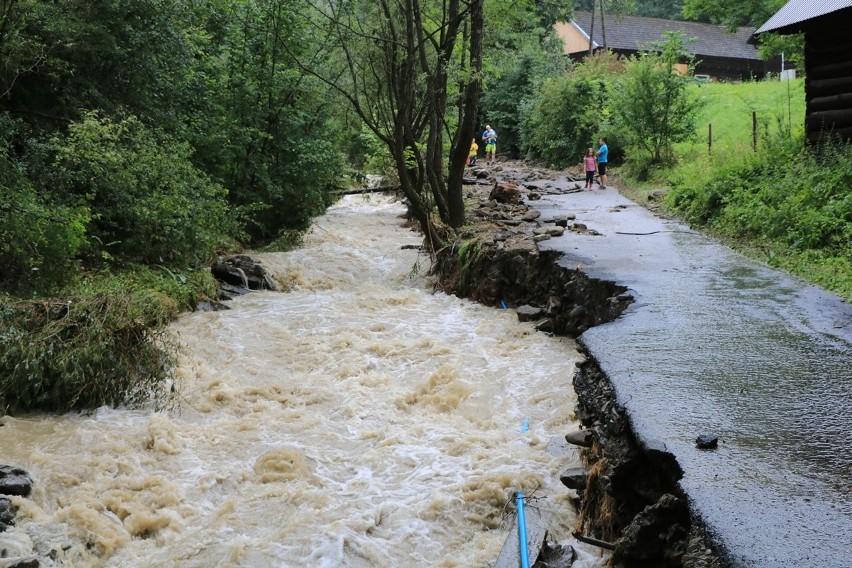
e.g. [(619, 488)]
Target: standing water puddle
[(356, 420)]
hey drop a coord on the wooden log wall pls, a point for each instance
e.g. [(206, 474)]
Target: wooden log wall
[(828, 67)]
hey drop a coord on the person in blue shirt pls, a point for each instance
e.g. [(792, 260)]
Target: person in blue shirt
[(602, 159), (489, 137)]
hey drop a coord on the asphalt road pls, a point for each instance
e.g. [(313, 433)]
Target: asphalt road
[(719, 344)]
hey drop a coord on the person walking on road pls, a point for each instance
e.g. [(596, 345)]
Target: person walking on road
[(489, 137), (590, 163), (602, 160)]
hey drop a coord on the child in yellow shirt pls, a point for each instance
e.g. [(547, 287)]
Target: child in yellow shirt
[(471, 156)]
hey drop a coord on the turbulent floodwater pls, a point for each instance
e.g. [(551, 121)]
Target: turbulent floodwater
[(357, 419)]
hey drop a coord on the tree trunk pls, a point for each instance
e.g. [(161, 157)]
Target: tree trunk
[(467, 120)]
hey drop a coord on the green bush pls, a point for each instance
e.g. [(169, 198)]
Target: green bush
[(38, 239), (38, 242), (148, 203), (82, 353), (566, 119), (653, 101)]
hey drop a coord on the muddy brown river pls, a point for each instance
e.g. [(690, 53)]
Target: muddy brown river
[(356, 420)]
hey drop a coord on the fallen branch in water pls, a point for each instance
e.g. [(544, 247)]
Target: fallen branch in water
[(655, 232), (360, 190), (593, 541)]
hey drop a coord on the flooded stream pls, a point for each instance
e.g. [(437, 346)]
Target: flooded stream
[(356, 420)]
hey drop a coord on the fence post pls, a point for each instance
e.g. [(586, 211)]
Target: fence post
[(754, 130), (709, 137)]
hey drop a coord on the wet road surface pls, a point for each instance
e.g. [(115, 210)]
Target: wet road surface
[(719, 344)]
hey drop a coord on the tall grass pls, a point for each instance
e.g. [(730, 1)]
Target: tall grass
[(103, 342)]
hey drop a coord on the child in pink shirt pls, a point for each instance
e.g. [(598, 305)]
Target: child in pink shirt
[(590, 162)]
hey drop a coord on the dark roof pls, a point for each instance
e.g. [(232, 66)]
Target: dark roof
[(798, 11), (636, 33)]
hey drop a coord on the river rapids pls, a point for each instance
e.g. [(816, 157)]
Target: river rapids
[(357, 419)]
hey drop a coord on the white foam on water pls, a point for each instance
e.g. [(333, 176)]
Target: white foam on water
[(357, 419)]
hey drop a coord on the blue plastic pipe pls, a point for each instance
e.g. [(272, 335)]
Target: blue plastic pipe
[(522, 531)]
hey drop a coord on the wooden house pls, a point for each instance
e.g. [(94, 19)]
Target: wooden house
[(719, 54), (828, 61)]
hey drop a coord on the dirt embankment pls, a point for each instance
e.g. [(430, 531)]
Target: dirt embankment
[(631, 496)]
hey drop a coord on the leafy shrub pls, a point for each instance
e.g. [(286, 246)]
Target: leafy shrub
[(38, 239), (38, 242), (653, 101), (566, 118), (147, 201), (83, 353)]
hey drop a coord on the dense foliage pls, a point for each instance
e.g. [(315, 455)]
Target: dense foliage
[(138, 136), (156, 126), (39, 239), (653, 102), (566, 118), (145, 199)]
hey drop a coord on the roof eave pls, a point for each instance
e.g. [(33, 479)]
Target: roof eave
[(583, 33)]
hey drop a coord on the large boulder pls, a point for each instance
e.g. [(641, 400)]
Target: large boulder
[(505, 192)]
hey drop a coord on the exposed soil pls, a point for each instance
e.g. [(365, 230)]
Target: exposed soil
[(631, 498)]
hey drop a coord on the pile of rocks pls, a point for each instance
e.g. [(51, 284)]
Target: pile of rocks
[(16, 550)]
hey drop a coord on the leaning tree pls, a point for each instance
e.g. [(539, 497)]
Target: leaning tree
[(411, 70)]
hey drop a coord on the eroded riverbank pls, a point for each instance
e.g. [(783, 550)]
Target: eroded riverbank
[(631, 497)]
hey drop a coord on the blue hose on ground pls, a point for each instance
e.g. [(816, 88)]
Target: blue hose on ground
[(522, 531)]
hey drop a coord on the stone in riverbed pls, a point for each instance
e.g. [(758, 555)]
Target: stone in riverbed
[(15, 481), (581, 438), (529, 313), (706, 442), (559, 221), (242, 270), (574, 478)]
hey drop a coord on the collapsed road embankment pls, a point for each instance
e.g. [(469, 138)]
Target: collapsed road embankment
[(631, 497), (714, 386)]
